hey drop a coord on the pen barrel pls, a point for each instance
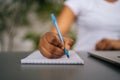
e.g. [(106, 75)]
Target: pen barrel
[(59, 34)]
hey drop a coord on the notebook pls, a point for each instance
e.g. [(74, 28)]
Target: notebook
[(37, 58)]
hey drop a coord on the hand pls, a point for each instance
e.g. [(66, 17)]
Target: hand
[(51, 46), (107, 44)]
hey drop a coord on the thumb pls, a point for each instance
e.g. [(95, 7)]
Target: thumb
[(68, 43)]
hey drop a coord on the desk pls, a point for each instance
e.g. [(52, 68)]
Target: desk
[(93, 69)]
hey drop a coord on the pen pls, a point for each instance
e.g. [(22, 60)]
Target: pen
[(59, 33)]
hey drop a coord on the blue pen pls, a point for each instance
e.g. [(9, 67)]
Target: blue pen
[(59, 34)]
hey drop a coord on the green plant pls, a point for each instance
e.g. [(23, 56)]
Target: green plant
[(34, 37), (14, 14)]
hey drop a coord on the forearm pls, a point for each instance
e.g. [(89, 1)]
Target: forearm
[(65, 20)]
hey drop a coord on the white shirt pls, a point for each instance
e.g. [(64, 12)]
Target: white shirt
[(96, 19)]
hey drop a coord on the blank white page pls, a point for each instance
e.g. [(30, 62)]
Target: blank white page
[(37, 58)]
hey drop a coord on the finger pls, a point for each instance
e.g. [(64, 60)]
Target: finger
[(54, 39), (68, 43), (42, 49), (115, 45), (111, 44), (100, 46), (105, 44), (108, 46), (53, 49), (104, 40), (45, 52), (58, 52)]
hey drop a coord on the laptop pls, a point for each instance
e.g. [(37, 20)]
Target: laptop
[(109, 56)]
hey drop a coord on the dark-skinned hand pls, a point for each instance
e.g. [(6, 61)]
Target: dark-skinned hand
[(51, 47), (107, 44)]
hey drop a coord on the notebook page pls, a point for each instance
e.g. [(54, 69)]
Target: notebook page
[(37, 58)]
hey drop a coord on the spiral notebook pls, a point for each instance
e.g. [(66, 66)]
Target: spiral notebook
[(37, 58)]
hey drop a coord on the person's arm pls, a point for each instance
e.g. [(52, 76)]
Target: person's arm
[(50, 45), (65, 20), (108, 44)]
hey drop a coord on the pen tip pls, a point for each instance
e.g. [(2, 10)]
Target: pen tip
[(68, 56)]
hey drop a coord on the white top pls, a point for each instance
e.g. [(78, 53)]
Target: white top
[(96, 19)]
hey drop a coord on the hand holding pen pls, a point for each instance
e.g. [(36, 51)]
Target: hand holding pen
[(59, 34), (51, 46)]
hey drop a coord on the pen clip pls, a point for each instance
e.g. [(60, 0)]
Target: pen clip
[(53, 19)]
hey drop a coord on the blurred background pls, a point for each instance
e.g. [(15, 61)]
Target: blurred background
[(23, 22)]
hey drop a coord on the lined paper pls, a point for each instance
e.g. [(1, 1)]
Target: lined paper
[(37, 58)]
